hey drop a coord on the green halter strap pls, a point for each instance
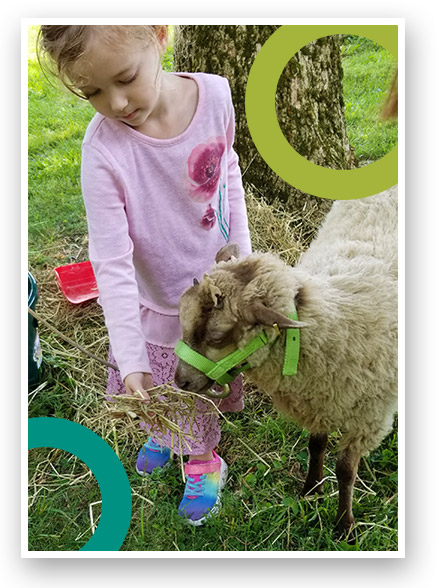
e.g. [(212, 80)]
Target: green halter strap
[(227, 369), (291, 356)]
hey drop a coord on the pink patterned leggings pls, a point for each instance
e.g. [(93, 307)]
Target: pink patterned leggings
[(206, 426)]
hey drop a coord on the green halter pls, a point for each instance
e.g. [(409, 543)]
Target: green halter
[(225, 370)]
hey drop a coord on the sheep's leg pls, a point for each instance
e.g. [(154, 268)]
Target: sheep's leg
[(346, 470), (315, 474)]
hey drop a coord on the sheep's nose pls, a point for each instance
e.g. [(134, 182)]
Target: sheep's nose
[(180, 381)]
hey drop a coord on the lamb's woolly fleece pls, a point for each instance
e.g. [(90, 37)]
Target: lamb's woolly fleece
[(345, 287)]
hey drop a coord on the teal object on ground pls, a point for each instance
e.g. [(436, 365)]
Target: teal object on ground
[(35, 356)]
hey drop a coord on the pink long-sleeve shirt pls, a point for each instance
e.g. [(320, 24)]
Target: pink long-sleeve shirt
[(158, 210)]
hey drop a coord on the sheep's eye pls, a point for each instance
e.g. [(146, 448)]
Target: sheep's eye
[(218, 337)]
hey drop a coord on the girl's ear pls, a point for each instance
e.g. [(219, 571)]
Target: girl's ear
[(162, 36)]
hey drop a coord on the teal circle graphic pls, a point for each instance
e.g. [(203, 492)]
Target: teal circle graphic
[(268, 137), (105, 466)]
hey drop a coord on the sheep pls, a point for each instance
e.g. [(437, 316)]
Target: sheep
[(345, 291)]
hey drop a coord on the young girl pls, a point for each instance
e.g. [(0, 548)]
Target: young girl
[(163, 193)]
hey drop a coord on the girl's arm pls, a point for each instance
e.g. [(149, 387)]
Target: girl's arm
[(111, 254)]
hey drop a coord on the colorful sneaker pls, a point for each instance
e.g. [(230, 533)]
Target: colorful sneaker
[(152, 455), (204, 482)]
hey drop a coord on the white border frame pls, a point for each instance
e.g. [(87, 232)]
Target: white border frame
[(400, 553)]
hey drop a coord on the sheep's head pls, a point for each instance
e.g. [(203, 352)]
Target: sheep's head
[(222, 312)]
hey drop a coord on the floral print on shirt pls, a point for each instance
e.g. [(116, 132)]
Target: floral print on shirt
[(204, 183), (204, 169), (208, 220)]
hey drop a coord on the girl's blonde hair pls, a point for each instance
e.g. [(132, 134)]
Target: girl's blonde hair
[(59, 47)]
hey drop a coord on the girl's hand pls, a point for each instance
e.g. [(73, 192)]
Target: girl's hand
[(138, 381)]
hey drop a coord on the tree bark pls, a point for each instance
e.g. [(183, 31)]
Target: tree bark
[(309, 101)]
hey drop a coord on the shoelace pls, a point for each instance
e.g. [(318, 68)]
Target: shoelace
[(195, 488), (150, 444)]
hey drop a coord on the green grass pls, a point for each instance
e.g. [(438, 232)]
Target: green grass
[(368, 71), (267, 454), (57, 120), (261, 505), (60, 492)]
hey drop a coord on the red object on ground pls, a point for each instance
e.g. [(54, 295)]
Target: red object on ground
[(77, 282)]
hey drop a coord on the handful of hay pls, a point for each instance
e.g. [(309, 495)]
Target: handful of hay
[(169, 409)]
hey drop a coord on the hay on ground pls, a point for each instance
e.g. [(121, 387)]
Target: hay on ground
[(275, 229)]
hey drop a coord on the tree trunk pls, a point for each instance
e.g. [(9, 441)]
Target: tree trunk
[(309, 101)]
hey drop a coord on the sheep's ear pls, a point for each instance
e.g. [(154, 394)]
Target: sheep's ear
[(228, 252), (260, 314), (196, 282)]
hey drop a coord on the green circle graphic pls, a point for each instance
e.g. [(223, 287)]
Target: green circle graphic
[(105, 466), (266, 132)]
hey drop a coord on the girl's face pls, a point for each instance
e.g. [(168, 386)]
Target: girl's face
[(123, 83)]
